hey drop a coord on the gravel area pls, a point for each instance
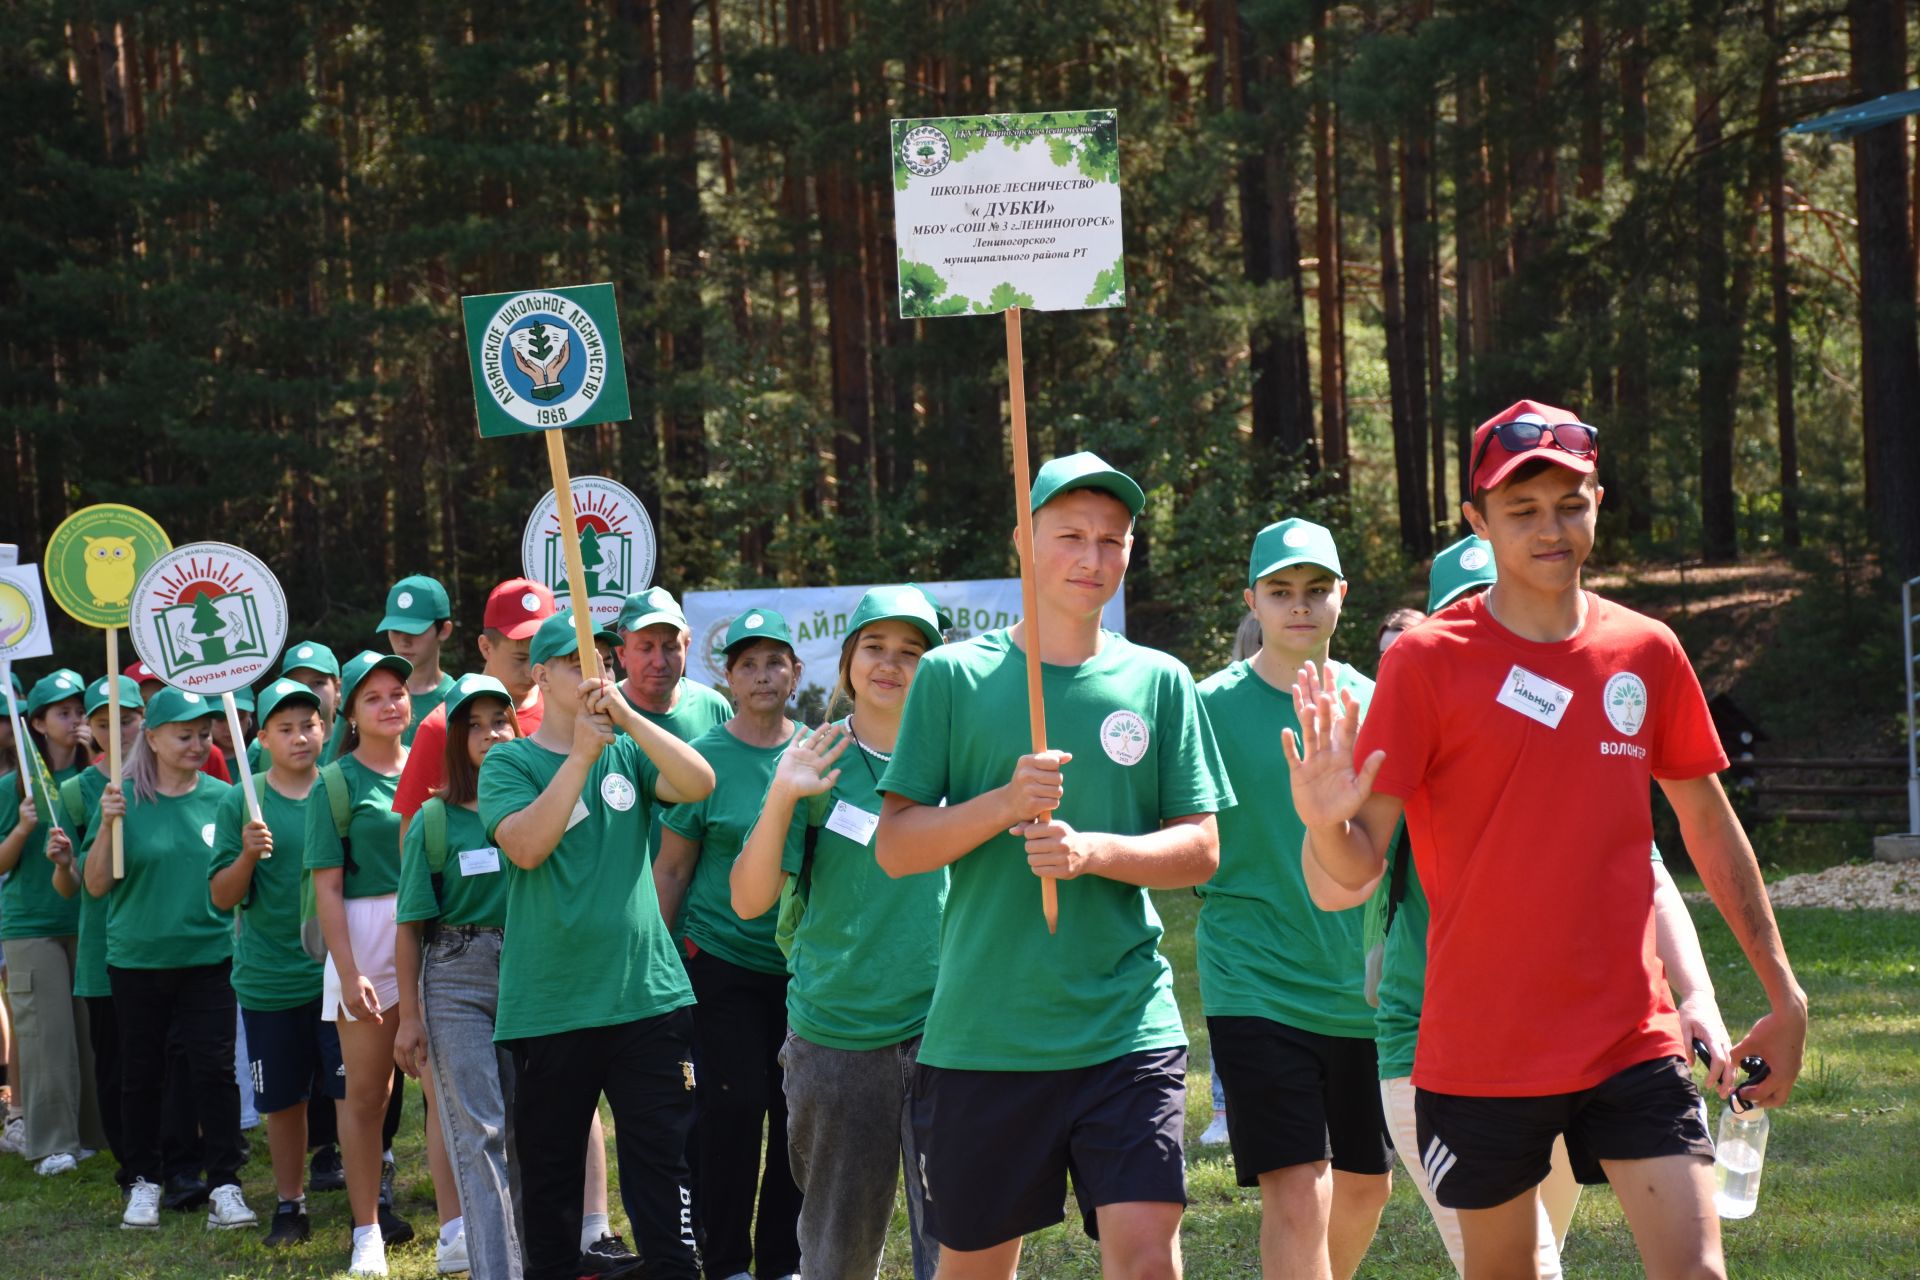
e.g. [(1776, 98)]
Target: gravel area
[(1882, 886)]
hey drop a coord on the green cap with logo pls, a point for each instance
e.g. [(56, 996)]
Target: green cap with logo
[(903, 604), (415, 604), (364, 663), (130, 699), (282, 693), (176, 706), (469, 687), (650, 608), (757, 624), (55, 687), (1285, 543), (1463, 566), (310, 655), (557, 638), (1085, 471)]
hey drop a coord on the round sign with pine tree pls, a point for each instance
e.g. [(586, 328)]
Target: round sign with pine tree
[(208, 618)]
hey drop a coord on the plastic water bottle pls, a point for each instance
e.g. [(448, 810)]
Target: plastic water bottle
[(1738, 1154)]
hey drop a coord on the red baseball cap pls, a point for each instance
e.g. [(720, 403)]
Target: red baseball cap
[(1497, 462), (138, 673), (517, 607)]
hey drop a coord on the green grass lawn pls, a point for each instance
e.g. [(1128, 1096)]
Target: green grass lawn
[(1841, 1196)]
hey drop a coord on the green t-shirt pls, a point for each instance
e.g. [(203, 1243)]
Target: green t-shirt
[(719, 825), (161, 915), (585, 944), (1010, 996), (423, 705), (90, 955), (271, 970), (30, 907), (372, 825), (1263, 949), (473, 881), (697, 710), (868, 947), (257, 760)]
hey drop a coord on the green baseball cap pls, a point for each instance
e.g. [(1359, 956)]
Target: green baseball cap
[(757, 624), (310, 655), (414, 604), (905, 604), (557, 638), (13, 677), (1085, 471), (176, 706), (243, 700), (469, 687), (1285, 543), (650, 608), (283, 692), (1463, 566), (130, 699), (361, 664), (56, 687)]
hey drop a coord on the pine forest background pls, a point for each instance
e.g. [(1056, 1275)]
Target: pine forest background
[(233, 237)]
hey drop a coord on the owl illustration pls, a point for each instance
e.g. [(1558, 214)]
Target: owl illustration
[(110, 575)]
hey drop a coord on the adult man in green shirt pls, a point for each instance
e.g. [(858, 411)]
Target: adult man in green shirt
[(1283, 982), (653, 652), (417, 624), (592, 997), (1046, 1053)]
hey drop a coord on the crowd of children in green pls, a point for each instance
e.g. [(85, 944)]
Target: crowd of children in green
[(1434, 924)]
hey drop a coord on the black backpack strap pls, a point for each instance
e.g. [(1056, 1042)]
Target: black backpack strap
[(810, 843), (1397, 875)]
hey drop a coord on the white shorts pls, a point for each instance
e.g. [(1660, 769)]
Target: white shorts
[(370, 928)]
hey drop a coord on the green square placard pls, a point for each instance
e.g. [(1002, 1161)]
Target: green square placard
[(545, 358)]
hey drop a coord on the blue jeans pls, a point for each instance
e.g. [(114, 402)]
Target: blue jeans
[(848, 1131), (474, 1078)]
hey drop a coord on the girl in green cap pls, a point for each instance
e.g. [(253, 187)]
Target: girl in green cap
[(170, 953), (39, 928), (864, 951), (739, 976)]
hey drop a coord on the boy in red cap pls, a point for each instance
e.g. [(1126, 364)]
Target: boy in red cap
[(1518, 732)]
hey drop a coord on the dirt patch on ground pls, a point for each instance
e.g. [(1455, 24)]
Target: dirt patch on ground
[(1873, 886)]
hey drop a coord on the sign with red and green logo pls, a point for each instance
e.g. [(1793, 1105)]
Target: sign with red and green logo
[(208, 618)]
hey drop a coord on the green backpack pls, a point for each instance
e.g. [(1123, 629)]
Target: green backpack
[(76, 807), (340, 801), (1381, 909), (433, 829), (793, 896)]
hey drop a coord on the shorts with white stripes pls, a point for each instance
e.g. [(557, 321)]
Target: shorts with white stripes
[(1482, 1152)]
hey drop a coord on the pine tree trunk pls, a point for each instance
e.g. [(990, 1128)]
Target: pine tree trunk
[(1716, 326), (1418, 235), (847, 337), (686, 235), (1334, 450), (1784, 418), (1409, 437), (1634, 381)]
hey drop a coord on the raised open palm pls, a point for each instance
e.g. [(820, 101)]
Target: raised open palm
[(1327, 789), (807, 767)]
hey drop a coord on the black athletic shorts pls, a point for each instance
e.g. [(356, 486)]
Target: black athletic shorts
[(996, 1146), (1482, 1152), (1296, 1097), (292, 1054)]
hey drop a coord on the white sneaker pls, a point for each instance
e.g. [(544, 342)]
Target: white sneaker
[(13, 1140), (58, 1162), (369, 1255), (226, 1210), (143, 1206), (451, 1255), (1216, 1134)]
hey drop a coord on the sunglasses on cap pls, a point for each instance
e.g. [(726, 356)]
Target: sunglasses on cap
[(1526, 432)]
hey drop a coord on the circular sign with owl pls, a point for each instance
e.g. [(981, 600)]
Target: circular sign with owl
[(208, 618), (96, 556)]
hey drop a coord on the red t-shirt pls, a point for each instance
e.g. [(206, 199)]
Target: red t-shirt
[(426, 767), (1526, 770), (215, 765)]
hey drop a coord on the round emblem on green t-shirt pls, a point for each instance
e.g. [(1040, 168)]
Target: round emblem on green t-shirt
[(1123, 736), (618, 792)]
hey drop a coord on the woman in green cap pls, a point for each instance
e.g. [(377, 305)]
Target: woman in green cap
[(39, 928), (863, 954), (453, 914), (356, 871), (170, 952), (739, 975)]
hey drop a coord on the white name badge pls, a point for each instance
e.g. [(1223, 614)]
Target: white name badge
[(578, 815), (856, 825), (1534, 696), (479, 862)]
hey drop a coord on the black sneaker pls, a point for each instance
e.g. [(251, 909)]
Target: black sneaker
[(325, 1172), (607, 1256), (386, 1181), (184, 1191), (290, 1226), (632, 1269)]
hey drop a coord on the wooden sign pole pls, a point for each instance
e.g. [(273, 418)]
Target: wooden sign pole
[(1029, 589), (240, 760), (576, 566), (113, 746)]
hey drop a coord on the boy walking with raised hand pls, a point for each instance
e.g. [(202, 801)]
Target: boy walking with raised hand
[(1519, 732), (569, 806), (1283, 982), (1047, 1054), (417, 623)]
